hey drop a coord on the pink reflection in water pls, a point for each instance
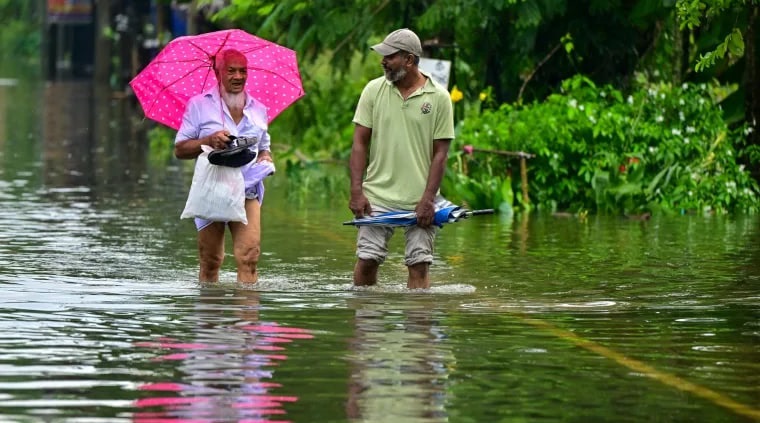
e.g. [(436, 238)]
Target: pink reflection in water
[(227, 383), (274, 329)]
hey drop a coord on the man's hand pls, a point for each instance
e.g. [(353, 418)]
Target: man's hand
[(191, 148), (425, 212), (218, 140), (359, 205), (264, 155)]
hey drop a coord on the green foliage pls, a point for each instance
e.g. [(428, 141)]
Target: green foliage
[(693, 12), (514, 47), (662, 148), (696, 13), (20, 38), (321, 122), (490, 42), (160, 145), (315, 27), (734, 44), (752, 153), (484, 189), (312, 182)]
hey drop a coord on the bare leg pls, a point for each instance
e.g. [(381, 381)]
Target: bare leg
[(365, 272), (418, 255), (211, 251), (246, 243), (419, 277)]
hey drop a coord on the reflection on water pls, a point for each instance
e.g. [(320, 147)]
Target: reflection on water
[(68, 134), (227, 368), (89, 138), (399, 362), (529, 318)]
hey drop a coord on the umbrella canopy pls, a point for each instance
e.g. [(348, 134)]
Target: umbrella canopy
[(185, 67), (443, 215)]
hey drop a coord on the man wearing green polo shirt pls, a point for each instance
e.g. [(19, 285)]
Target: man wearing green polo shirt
[(404, 123)]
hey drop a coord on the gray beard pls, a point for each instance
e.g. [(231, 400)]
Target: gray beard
[(395, 76), (233, 101)]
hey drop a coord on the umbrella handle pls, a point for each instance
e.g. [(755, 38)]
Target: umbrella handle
[(479, 212)]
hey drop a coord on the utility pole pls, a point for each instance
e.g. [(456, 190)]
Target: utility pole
[(44, 41), (102, 71)]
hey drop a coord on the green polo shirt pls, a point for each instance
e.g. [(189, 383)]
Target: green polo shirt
[(403, 131)]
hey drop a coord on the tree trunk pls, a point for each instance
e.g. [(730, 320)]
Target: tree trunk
[(678, 49)]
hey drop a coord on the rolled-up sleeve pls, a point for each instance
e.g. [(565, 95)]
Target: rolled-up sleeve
[(265, 143), (189, 130), (259, 121)]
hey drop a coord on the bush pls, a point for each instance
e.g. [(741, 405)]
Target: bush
[(661, 148), (20, 39)]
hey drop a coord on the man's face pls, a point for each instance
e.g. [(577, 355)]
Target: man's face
[(394, 65), (233, 75)]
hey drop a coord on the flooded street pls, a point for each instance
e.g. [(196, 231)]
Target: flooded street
[(529, 318)]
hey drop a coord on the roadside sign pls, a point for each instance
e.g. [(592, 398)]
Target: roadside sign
[(440, 70)]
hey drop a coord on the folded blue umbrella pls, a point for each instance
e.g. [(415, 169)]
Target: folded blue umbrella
[(444, 215)]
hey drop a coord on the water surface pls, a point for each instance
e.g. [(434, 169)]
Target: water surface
[(530, 318)]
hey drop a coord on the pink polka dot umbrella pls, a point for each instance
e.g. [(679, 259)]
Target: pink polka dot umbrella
[(184, 68)]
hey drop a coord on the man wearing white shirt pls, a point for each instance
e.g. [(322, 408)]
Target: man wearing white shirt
[(209, 119)]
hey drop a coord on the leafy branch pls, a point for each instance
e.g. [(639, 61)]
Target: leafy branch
[(694, 13)]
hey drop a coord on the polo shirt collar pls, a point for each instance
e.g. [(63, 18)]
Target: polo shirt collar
[(427, 88)]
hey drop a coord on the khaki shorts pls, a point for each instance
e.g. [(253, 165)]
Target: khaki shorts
[(372, 242)]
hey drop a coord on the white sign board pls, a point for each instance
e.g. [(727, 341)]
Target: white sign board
[(438, 69)]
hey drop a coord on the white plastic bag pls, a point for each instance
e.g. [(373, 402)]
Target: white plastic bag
[(217, 192)]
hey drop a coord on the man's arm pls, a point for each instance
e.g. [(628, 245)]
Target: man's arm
[(425, 209), (264, 155), (265, 152), (357, 164), (186, 145), (190, 149)]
